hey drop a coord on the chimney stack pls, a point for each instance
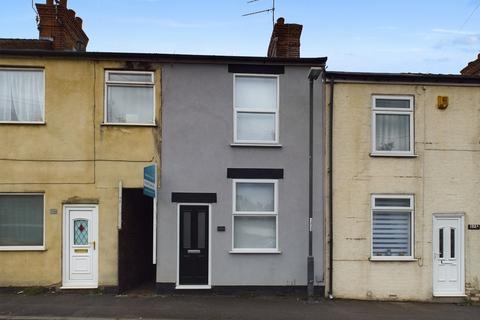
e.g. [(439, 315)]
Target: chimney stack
[(285, 40), (60, 25), (472, 69)]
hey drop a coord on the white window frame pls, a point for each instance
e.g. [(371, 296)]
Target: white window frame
[(26, 248), (44, 94), (129, 84), (236, 213), (395, 111), (410, 209), (256, 110)]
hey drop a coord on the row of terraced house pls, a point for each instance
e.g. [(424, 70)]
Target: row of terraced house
[(269, 174)]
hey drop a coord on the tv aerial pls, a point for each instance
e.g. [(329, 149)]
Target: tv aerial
[(271, 9)]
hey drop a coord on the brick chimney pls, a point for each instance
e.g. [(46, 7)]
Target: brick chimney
[(473, 68), (60, 25), (285, 40)]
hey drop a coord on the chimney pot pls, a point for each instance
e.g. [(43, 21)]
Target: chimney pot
[(79, 21), (281, 20)]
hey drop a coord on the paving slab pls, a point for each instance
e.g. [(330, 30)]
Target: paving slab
[(103, 306)]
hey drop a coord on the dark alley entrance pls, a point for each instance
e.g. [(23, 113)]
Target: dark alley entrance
[(136, 270)]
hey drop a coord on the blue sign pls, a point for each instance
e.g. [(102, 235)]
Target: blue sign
[(150, 181)]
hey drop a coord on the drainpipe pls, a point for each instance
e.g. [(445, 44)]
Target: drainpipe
[(312, 76), (330, 187)]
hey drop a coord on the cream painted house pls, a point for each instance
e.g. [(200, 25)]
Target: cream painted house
[(405, 185), (77, 130), (68, 143)]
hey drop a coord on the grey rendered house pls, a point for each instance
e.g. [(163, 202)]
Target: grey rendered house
[(233, 201)]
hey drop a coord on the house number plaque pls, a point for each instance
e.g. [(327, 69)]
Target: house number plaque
[(474, 227)]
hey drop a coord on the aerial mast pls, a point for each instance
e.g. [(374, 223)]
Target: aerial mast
[(271, 9)]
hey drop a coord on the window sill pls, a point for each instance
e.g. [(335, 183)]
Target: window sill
[(392, 259), (393, 155), (256, 145), (252, 251), (41, 123), (23, 248), (129, 124)]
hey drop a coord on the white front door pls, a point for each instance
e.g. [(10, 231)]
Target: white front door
[(448, 259), (80, 246)]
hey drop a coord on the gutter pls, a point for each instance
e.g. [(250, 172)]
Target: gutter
[(163, 57)]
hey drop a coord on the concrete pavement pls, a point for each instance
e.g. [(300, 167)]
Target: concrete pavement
[(104, 306)]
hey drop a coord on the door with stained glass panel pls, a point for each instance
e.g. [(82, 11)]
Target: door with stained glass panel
[(80, 246), (193, 245), (448, 263)]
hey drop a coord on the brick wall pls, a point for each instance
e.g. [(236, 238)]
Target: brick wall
[(285, 40)]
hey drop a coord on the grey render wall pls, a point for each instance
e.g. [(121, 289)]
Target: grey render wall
[(197, 119)]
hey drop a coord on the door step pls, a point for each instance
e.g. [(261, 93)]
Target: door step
[(457, 300)]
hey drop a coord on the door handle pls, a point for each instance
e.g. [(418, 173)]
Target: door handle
[(94, 244), (193, 251)]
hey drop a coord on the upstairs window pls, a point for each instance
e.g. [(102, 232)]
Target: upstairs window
[(392, 227), (392, 125), (130, 97), (22, 96), (256, 109)]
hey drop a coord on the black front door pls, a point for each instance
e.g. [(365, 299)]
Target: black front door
[(193, 245)]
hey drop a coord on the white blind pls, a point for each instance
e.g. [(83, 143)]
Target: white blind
[(391, 233)]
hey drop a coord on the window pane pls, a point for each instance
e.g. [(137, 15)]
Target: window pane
[(134, 77), (129, 104), (392, 202), (256, 92), (440, 242), (21, 220), (187, 231), (391, 233), (255, 197), (393, 132), (256, 126), (255, 232), (452, 243), (80, 232), (392, 103), (21, 95)]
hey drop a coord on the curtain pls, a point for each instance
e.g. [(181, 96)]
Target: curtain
[(392, 132), (255, 126), (254, 196), (21, 95), (255, 232), (256, 92), (129, 104)]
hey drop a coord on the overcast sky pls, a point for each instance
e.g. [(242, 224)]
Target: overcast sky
[(436, 36)]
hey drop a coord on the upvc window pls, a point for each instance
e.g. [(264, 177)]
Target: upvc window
[(130, 97), (255, 109), (22, 96), (392, 227), (393, 126), (255, 215), (21, 221)]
